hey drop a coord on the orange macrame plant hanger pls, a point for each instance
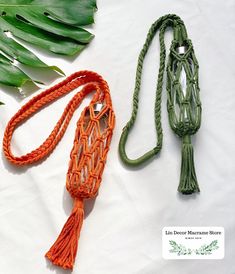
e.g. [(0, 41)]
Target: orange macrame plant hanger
[(87, 158)]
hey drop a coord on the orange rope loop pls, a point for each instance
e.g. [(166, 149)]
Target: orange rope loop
[(88, 155)]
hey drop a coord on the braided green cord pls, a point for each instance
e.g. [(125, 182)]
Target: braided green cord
[(184, 122), (162, 23)]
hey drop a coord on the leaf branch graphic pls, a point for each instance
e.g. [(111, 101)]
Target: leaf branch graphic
[(205, 249), (179, 249)]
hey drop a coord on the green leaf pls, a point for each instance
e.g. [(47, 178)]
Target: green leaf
[(38, 18), (11, 75), (72, 12), (40, 37), (53, 25), (17, 52)]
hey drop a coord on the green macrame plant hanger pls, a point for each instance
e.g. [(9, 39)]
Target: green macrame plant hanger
[(183, 101)]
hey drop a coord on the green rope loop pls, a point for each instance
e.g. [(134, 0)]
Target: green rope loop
[(183, 103)]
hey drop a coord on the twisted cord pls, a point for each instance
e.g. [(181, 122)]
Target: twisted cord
[(91, 80), (179, 30)]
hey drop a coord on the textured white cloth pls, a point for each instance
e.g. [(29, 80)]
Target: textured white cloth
[(121, 233)]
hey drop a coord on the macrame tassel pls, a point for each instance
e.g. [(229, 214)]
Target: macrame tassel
[(64, 250), (188, 179)]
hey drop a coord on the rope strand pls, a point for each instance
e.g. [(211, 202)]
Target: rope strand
[(87, 158), (36, 103), (188, 105)]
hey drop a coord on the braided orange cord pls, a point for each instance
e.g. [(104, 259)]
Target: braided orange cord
[(87, 159)]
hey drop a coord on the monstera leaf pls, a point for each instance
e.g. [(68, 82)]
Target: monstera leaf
[(54, 25)]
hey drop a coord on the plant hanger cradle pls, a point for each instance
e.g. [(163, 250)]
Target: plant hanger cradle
[(88, 155), (183, 102)]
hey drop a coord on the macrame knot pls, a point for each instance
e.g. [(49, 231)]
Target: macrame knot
[(78, 204), (185, 101), (191, 81), (175, 82)]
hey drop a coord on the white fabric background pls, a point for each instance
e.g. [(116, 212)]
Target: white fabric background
[(122, 233)]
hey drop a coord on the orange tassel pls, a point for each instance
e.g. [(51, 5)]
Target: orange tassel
[(64, 250)]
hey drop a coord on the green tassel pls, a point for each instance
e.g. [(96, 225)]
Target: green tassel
[(188, 179)]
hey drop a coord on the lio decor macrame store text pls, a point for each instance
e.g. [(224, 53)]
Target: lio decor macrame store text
[(193, 233)]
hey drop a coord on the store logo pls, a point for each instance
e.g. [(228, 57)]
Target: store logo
[(193, 242)]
